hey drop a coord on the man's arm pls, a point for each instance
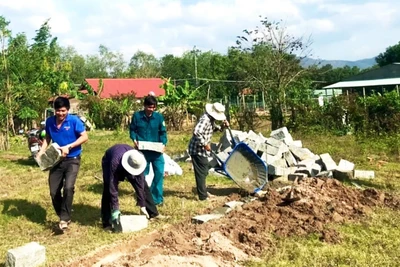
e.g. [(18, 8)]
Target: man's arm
[(133, 130), (163, 131), (138, 184)]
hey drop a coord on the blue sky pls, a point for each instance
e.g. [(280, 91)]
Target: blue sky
[(339, 29)]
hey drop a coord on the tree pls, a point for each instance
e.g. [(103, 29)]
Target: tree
[(6, 97), (391, 55), (275, 63), (143, 65)]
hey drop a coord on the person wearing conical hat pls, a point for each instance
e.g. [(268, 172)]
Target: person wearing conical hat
[(199, 145), (122, 162)]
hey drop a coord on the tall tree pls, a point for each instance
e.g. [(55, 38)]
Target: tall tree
[(276, 63), (391, 55), (143, 65)]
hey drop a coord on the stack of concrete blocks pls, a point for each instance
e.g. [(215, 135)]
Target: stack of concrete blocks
[(286, 158)]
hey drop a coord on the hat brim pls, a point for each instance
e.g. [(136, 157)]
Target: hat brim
[(128, 167), (217, 116)]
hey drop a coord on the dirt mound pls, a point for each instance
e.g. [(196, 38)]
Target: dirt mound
[(245, 231)]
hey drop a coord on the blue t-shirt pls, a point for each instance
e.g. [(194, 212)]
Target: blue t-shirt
[(71, 129)]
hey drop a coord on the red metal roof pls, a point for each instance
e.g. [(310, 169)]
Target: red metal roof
[(141, 87)]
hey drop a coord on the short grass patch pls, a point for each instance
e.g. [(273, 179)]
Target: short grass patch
[(26, 213)]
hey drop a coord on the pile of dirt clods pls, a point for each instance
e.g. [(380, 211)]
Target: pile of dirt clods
[(245, 232)]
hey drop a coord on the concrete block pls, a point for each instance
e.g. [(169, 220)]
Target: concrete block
[(304, 170), (315, 169), (223, 156), (152, 146), (252, 144), (298, 176), (269, 159), (199, 219), (233, 204), (221, 210), (282, 134), (255, 137), (297, 143), (328, 163), (300, 152), (290, 159), (271, 150), (29, 255), (133, 223), (283, 148), (262, 137), (262, 148), (359, 174), (274, 142), (345, 165), (343, 174), (50, 157), (226, 139), (214, 146), (328, 174)]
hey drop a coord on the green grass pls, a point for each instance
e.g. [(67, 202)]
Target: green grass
[(26, 213)]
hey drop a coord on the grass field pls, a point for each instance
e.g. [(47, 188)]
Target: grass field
[(27, 215)]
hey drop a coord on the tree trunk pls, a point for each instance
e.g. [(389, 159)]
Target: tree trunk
[(276, 116)]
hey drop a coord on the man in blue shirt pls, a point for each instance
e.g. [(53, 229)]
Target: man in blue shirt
[(149, 125), (69, 133)]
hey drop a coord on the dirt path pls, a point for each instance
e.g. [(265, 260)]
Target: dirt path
[(244, 233)]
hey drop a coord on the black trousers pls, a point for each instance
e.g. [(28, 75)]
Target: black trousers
[(201, 168), (63, 177), (106, 202)]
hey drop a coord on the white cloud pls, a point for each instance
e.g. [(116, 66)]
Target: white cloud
[(340, 29)]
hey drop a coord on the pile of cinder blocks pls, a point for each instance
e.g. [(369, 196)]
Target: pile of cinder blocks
[(286, 158)]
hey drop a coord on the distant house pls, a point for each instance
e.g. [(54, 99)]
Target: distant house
[(113, 87), (386, 78)]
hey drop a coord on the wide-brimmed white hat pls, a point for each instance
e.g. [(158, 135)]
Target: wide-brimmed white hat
[(216, 110), (134, 162)]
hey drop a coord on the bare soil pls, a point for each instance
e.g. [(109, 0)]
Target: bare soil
[(246, 232)]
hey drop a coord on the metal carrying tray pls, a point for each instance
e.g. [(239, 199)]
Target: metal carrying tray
[(244, 167)]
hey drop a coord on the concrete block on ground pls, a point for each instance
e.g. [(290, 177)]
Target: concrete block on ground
[(233, 204), (315, 169), (262, 147), (274, 142), (301, 153), (297, 143), (298, 176), (271, 150), (345, 165), (283, 148), (255, 137), (214, 147), (360, 174), (304, 170), (199, 219), (223, 155), (215, 173), (221, 210), (290, 159), (328, 174), (225, 141), (30, 255), (152, 146), (328, 163), (343, 174), (133, 223), (282, 134), (252, 144)]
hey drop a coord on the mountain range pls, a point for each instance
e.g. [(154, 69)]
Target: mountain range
[(362, 63)]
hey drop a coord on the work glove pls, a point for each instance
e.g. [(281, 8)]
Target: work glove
[(143, 211), (115, 214)]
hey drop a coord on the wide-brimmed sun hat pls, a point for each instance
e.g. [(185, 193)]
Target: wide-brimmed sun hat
[(216, 110), (134, 162)]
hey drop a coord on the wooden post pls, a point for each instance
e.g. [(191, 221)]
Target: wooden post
[(364, 92), (397, 89), (263, 99)]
